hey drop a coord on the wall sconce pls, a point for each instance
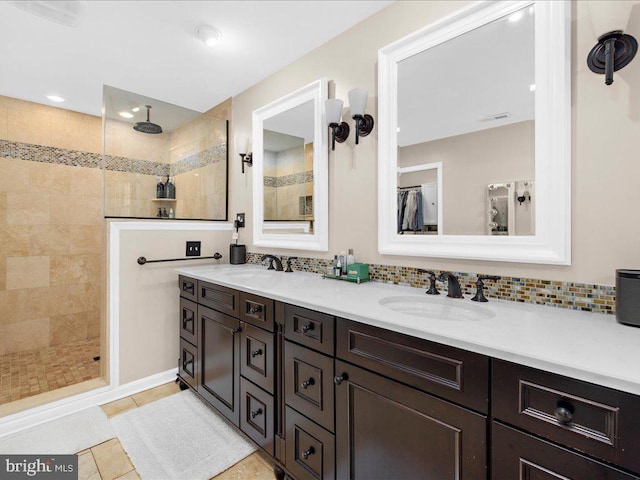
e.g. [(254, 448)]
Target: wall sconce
[(613, 51), (339, 130), (245, 155), (358, 104)]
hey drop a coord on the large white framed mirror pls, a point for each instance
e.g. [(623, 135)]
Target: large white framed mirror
[(290, 171), (485, 93)]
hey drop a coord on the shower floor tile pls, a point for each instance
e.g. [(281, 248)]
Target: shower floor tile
[(30, 373)]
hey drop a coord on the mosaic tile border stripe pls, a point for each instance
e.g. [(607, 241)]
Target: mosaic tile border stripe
[(574, 296), (77, 158), (289, 180)]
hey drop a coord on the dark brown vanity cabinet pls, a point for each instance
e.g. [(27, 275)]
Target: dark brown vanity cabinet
[(329, 398)]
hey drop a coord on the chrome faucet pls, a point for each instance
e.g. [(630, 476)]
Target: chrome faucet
[(273, 259), (454, 286)]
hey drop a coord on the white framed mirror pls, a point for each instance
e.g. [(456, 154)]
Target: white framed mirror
[(290, 171), (485, 92)]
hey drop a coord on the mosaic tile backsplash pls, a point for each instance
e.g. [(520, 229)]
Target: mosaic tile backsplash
[(575, 296), (288, 180), (75, 158)]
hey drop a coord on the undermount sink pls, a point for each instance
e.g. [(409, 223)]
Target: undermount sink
[(251, 274), (436, 308)]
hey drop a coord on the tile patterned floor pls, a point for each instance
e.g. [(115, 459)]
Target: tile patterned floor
[(108, 461), (25, 374)]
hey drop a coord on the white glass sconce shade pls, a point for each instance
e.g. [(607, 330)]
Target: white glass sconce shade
[(358, 101), (333, 109)]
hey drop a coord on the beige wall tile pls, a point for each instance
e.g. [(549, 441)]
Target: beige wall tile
[(15, 175), (94, 322), (14, 240), (29, 127), (27, 208), (3, 123), (68, 210), (48, 178), (2, 340), (47, 301), (3, 209), (69, 133), (86, 239), (27, 272), (132, 475), (3, 272), (14, 305), (48, 239), (111, 459), (27, 335), (68, 269), (67, 328), (85, 181)]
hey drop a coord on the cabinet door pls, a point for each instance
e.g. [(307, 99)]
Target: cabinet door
[(220, 362), (386, 430), (516, 455)]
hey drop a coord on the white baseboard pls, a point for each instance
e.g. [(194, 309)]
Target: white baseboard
[(66, 406)]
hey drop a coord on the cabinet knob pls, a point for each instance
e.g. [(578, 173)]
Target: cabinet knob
[(254, 310), (255, 413), (307, 327), (255, 353), (307, 383), (340, 378), (309, 451), (564, 412), (236, 330)]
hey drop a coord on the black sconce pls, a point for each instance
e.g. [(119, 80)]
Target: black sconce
[(245, 155), (613, 51), (339, 130), (246, 158), (358, 104)]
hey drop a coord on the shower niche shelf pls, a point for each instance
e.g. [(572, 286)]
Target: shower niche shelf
[(163, 200)]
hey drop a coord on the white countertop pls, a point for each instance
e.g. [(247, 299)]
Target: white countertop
[(587, 346)]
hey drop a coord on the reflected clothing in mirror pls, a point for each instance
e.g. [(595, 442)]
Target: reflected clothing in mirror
[(410, 210)]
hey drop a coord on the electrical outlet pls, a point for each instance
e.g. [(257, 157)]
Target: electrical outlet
[(240, 220), (193, 249)]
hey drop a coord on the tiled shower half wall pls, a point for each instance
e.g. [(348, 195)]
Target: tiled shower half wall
[(51, 248), (191, 150)]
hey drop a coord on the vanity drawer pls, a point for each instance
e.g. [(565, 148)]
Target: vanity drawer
[(307, 327), (453, 374), (256, 310), (596, 420), (309, 384), (188, 288), (257, 415), (518, 455), (188, 321), (310, 449), (257, 356), (188, 364), (222, 299)]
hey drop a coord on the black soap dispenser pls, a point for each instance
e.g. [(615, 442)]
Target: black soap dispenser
[(160, 193), (169, 188)]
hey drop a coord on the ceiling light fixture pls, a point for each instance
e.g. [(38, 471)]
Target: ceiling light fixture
[(208, 34), (135, 109), (514, 17), (125, 114), (55, 98), (532, 87)]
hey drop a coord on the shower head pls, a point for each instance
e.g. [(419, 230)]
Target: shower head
[(147, 127)]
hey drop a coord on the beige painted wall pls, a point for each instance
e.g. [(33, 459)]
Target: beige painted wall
[(606, 129), (149, 297), (470, 162)]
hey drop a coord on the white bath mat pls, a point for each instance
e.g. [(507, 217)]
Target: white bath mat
[(66, 435), (179, 437)]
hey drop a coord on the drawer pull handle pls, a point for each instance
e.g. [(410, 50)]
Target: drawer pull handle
[(309, 451), (564, 413), (255, 353), (236, 330), (308, 327), (188, 287), (255, 413), (340, 378), (254, 310), (307, 383), (187, 364)]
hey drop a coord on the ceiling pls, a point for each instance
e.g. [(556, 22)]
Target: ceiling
[(149, 48)]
